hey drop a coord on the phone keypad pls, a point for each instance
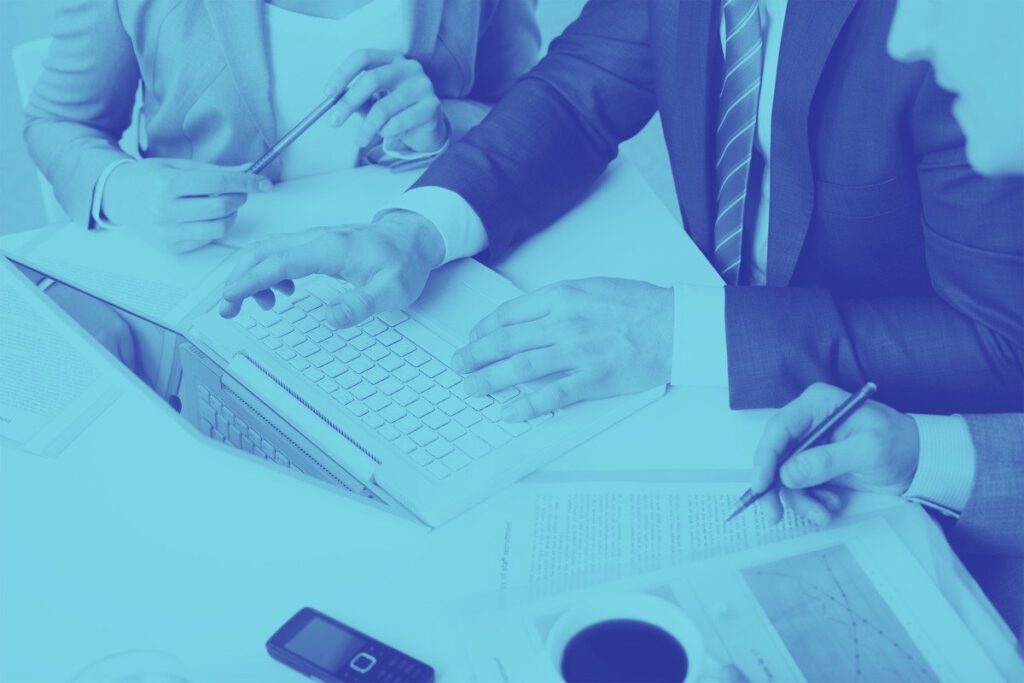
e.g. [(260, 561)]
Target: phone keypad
[(391, 666)]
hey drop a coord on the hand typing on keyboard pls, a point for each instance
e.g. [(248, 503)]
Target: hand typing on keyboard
[(387, 263), (382, 378), (594, 338)]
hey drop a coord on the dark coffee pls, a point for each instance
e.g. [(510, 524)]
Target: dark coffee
[(624, 650)]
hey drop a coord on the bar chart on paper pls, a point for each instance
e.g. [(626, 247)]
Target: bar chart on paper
[(833, 621)]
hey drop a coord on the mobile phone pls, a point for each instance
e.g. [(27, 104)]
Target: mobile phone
[(325, 649)]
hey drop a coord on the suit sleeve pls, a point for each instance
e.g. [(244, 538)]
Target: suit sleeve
[(509, 46), (993, 521), (82, 102), (957, 349), (544, 144)]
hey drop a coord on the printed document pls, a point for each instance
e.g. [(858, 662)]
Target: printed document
[(52, 382), (849, 603)]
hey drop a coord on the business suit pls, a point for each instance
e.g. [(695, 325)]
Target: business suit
[(206, 78), (873, 207), (989, 536)]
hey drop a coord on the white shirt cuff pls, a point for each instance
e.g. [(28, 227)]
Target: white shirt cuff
[(699, 356), (945, 466), (461, 229), (96, 211), (395, 149)]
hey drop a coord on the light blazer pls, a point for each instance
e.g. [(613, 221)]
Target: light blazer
[(888, 258), (989, 536), (206, 78)]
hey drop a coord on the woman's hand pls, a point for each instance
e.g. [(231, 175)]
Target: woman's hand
[(406, 109), (181, 204)]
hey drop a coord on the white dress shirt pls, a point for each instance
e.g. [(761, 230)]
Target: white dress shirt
[(946, 462)]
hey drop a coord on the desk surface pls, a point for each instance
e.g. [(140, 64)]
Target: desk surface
[(143, 535)]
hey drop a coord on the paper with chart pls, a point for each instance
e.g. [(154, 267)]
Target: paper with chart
[(53, 382), (846, 604)]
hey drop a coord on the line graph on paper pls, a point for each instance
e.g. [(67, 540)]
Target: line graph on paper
[(833, 621)]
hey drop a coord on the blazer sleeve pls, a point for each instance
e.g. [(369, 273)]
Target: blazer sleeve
[(82, 102), (960, 348), (508, 47), (993, 521), (536, 153)]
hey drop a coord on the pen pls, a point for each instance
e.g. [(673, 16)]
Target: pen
[(835, 418), (293, 135)]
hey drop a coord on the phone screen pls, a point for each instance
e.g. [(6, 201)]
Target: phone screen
[(325, 645)]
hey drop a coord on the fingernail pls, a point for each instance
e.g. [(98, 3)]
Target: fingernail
[(265, 185), (338, 316), (226, 310), (818, 516), (829, 499), (794, 473)]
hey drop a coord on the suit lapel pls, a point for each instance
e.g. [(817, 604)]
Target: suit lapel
[(690, 132), (808, 35), (241, 30), (424, 23)]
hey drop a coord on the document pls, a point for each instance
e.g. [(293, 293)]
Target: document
[(52, 382), (352, 196), (849, 603), (126, 270), (544, 538)]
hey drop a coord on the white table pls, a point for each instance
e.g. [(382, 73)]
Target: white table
[(143, 535)]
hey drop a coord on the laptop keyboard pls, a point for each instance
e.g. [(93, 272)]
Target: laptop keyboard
[(381, 377), (221, 423)]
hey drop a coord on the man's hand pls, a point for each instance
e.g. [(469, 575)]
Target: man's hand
[(875, 449), (180, 204), (591, 338), (388, 263)]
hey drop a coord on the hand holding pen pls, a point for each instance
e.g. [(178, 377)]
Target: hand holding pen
[(865, 446)]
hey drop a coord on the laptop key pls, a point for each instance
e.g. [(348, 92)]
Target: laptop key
[(306, 349), (440, 448), (423, 436), (320, 334), (346, 354), (362, 342), (293, 338), (390, 386), (435, 420), (373, 420), (421, 457), (360, 364), (468, 418), (332, 343), (273, 343), (456, 461), (491, 433), (515, 428), (358, 408), (405, 444), (393, 413), (348, 380), (313, 374), (333, 369), (439, 469), (376, 352), (373, 327), (405, 396), (305, 325), (392, 317), (286, 352), (473, 445), (299, 363), (404, 348), (433, 368), (408, 424), (391, 363), (363, 390), (447, 379), (452, 406), (389, 337), (320, 359), (505, 395), (328, 385), (451, 431), (421, 408), (479, 402), (377, 402), (420, 384), (389, 432), (435, 395)]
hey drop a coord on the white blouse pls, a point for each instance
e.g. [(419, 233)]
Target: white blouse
[(304, 51)]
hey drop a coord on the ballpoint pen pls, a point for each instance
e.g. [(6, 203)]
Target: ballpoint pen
[(293, 135), (811, 439)]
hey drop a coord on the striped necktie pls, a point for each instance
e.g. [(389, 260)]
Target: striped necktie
[(737, 119)]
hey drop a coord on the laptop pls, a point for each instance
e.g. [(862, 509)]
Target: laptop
[(375, 408)]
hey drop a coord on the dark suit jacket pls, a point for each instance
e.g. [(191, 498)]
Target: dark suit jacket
[(888, 259), (989, 536)]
